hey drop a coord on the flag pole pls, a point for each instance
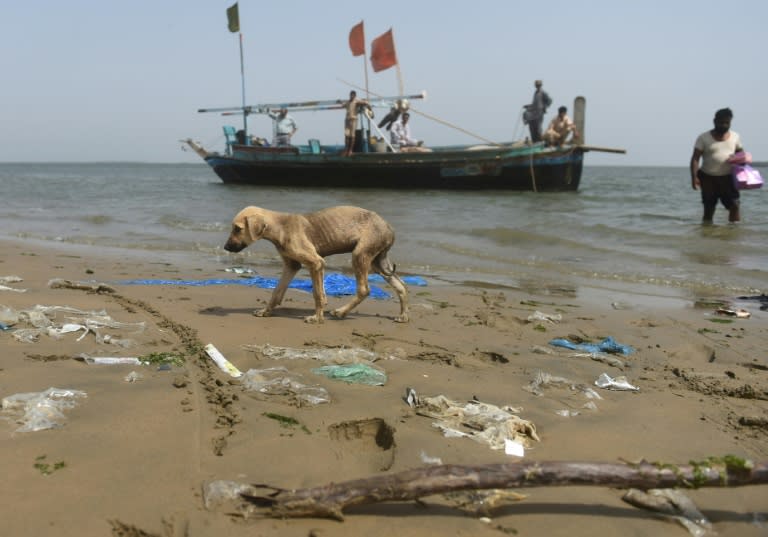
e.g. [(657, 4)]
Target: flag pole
[(365, 67), (242, 78), (400, 85), (233, 24)]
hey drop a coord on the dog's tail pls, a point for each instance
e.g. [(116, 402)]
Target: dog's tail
[(383, 265)]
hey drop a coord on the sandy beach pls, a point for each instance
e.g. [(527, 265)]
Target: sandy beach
[(134, 453)]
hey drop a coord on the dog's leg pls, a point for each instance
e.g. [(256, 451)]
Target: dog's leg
[(384, 266), (317, 271), (290, 268), (398, 285), (361, 263)]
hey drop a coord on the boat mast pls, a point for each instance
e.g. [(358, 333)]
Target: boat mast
[(233, 20), (242, 79)]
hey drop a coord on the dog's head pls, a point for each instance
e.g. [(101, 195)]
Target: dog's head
[(248, 226)]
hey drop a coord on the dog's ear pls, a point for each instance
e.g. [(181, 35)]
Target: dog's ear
[(255, 226)]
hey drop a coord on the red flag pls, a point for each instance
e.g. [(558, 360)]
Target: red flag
[(357, 40), (383, 52)]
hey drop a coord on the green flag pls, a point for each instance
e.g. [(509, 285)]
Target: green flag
[(233, 18)]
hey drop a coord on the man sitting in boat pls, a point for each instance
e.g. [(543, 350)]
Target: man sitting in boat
[(401, 133), (285, 128), (559, 128)]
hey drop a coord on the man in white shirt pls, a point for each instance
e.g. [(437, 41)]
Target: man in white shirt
[(713, 148), (285, 128), (401, 132)]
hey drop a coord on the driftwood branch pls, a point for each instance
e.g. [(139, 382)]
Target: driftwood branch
[(330, 500)]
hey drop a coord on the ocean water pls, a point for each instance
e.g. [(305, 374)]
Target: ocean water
[(633, 230)]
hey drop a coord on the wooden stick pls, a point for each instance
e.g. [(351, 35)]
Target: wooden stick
[(604, 149), (329, 501)]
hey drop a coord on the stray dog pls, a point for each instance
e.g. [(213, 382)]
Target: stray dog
[(305, 239)]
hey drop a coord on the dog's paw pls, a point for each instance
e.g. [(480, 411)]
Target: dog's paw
[(337, 313), (263, 313), (314, 319), (402, 318)]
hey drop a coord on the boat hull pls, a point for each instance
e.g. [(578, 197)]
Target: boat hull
[(528, 168)]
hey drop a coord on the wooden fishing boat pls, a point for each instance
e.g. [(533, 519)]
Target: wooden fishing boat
[(520, 166), (374, 163)]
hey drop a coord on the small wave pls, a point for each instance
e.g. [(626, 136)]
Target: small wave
[(96, 219), (174, 222)]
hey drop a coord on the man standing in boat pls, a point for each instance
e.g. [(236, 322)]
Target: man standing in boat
[(534, 112), (285, 128), (352, 106)]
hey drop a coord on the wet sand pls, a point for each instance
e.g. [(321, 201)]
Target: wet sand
[(132, 458)]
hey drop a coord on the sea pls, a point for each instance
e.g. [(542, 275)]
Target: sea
[(630, 235)]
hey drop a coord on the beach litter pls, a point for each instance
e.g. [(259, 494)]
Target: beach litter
[(96, 287), (426, 459), (353, 374), (545, 317), (224, 364), (731, 312), (8, 315), (542, 379), (340, 355), (133, 376), (43, 320), (607, 345), (335, 284), (10, 279), (608, 359), (36, 411), (12, 289), (497, 427), (279, 382), (619, 383), (108, 360), (240, 270), (674, 505)]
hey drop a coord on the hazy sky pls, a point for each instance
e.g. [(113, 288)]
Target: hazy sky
[(122, 81)]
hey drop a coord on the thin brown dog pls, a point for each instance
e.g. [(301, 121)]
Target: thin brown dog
[(305, 239)]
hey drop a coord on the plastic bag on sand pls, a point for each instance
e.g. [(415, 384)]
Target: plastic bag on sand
[(619, 383), (278, 381), (342, 355), (608, 345), (482, 422), (353, 374), (41, 410)]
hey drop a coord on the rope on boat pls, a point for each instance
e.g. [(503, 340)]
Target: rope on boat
[(533, 174)]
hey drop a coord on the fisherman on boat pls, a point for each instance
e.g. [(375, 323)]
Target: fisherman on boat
[(285, 128), (559, 128), (401, 106), (352, 107), (534, 112), (401, 133)]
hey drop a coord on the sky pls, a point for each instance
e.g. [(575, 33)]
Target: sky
[(122, 81)]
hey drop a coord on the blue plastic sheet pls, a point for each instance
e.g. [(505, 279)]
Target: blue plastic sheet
[(608, 345), (335, 284)]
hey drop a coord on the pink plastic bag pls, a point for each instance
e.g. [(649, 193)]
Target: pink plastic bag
[(746, 177), (741, 157)]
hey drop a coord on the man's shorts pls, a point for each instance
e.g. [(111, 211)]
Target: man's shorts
[(349, 127), (718, 187)]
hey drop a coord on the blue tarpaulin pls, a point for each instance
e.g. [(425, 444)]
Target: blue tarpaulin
[(335, 284), (608, 345)]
